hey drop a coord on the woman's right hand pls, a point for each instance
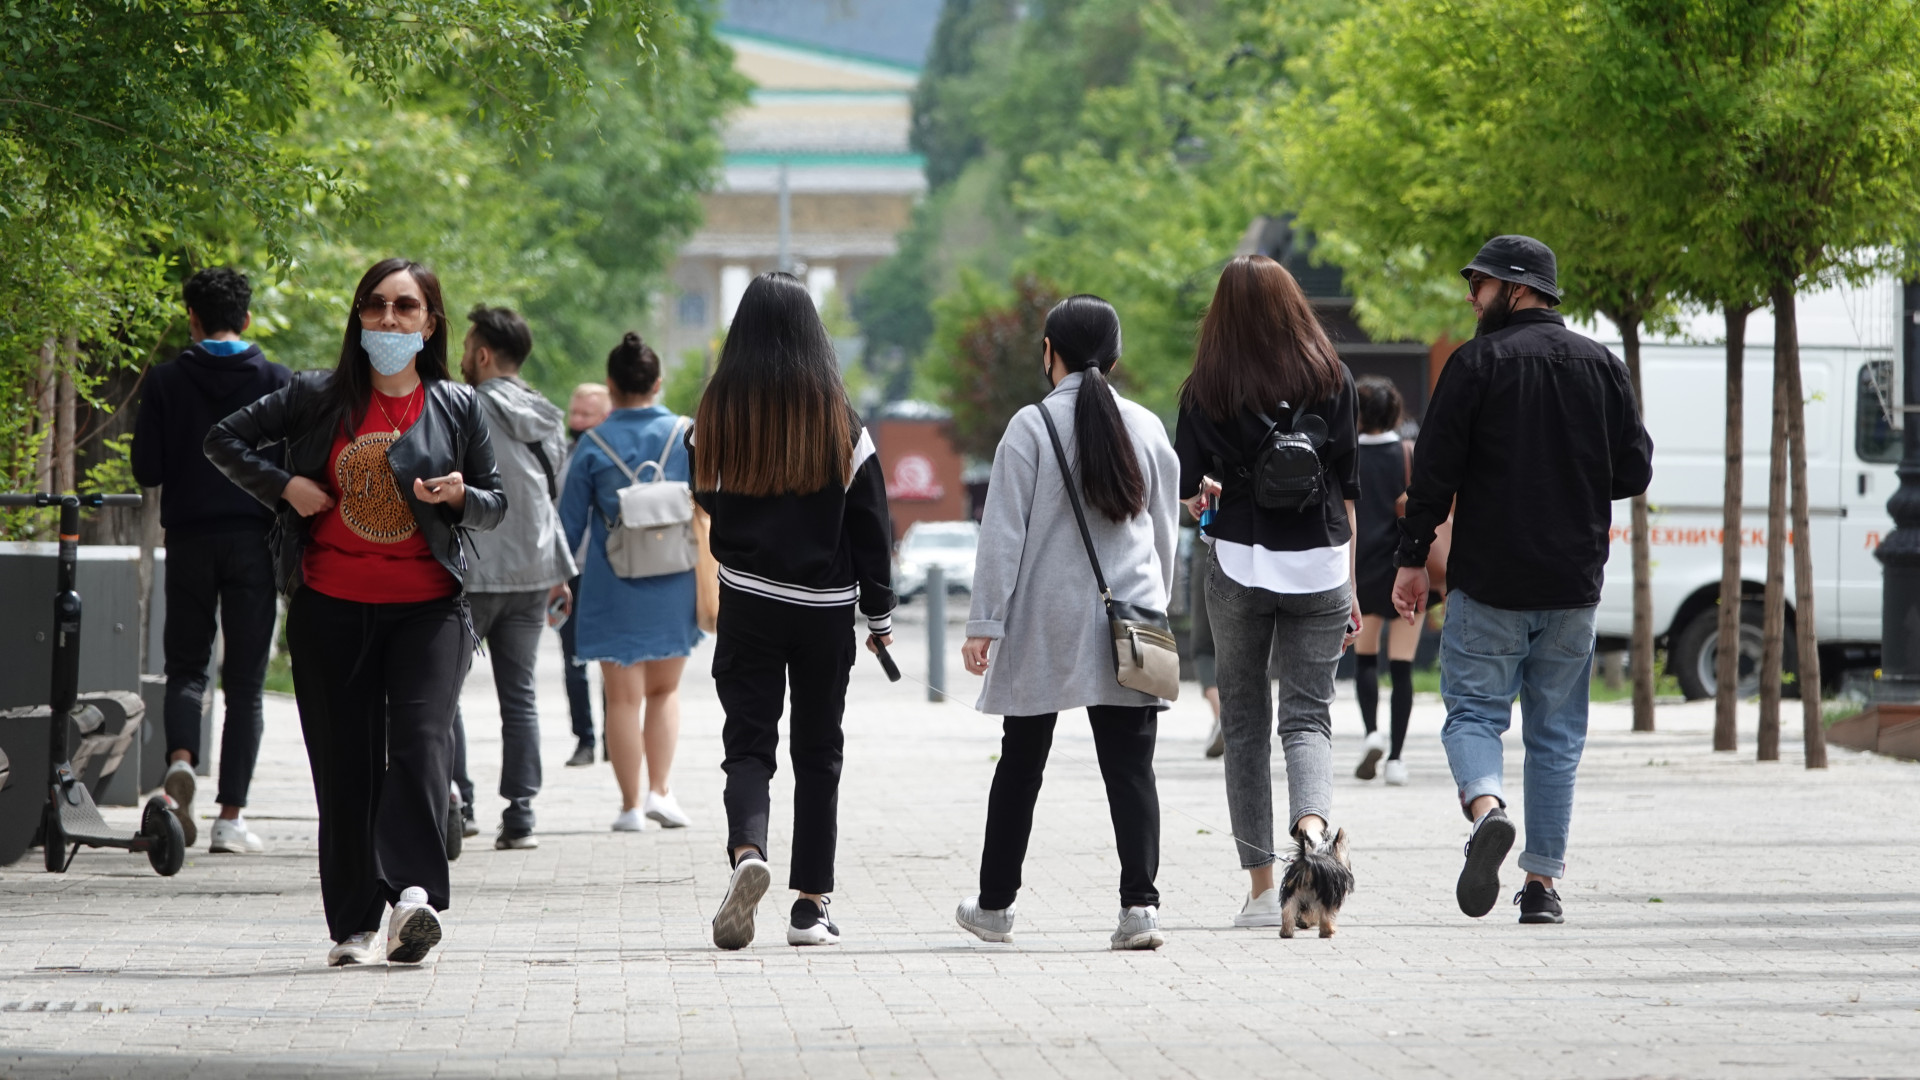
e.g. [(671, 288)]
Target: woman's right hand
[(306, 497), (974, 655), (1209, 491)]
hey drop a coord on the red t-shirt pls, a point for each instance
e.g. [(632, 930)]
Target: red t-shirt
[(368, 548)]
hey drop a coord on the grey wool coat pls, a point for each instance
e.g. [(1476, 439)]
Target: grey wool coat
[(1033, 590)]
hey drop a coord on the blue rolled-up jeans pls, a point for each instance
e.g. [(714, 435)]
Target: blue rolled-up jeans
[(1490, 655)]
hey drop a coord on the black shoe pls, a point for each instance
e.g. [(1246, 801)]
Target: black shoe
[(1538, 904), (1487, 848), (469, 825), (810, 925), (582, 754)]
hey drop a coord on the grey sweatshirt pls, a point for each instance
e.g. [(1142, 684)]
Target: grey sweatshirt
[(1033, 589), (527, 551)]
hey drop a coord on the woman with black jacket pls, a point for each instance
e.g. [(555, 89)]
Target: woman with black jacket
[(800, 530), (1279, 577), (388, 465)]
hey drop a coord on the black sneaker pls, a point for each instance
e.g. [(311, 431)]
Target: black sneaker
[(1538, 904), (1479, 885), (469, 825), (516, 840), (810, 925), (582, 754)]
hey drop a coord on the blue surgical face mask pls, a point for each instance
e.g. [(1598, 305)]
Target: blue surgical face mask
[(390, 352)]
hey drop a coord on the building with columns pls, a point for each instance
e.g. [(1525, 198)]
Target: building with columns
[(819, 176)]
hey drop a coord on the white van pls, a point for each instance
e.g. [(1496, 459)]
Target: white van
[(1851, 383)]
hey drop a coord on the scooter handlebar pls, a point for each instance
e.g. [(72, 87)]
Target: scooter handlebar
[(44, 498)]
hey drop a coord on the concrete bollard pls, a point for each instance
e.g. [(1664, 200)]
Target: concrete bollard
[(936, 633)]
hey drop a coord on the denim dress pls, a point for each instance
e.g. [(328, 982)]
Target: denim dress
[(624, 620)]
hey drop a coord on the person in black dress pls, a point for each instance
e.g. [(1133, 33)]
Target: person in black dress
[(1385, 463)]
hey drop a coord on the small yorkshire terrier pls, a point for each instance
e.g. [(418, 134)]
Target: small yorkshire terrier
[(1316, 883)]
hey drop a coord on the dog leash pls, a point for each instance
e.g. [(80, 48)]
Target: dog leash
[(894, 674)]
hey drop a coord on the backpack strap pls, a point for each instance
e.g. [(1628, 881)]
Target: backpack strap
[(632, 477), (666, 454), (546, 466)]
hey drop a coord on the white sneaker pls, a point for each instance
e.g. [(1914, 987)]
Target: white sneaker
[(733, 923), (1396, 773), (630, 821), (1139, 929), (985, 923), (1262, 910), (234, 838), (179, 784), (358, 949), (665, 809), (413, 929), (1376, 748)]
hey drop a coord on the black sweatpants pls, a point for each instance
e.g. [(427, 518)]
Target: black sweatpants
[(231, 572), (1123, 738), (376, 686), (763, 646)]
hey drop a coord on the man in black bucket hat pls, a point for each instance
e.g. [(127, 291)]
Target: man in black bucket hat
[(1531, 435)]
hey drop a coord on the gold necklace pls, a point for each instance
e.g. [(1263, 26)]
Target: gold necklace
[(377, 395)]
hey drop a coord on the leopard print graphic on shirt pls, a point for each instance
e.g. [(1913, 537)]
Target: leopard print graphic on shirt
[(370, 502)]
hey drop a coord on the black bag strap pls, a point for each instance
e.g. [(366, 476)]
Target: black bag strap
[(1073, 496), (540, 453)]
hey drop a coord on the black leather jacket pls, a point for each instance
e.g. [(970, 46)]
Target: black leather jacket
[(450, 435)]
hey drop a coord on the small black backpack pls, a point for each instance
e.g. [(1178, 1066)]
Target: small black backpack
[(1286, 471)]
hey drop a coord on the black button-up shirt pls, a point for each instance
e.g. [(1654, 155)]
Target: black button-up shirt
[(1534, 431)]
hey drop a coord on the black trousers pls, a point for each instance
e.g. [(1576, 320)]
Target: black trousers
[(763, 646), (1123, 738), (231, 572), (579, 695), (377, 684)]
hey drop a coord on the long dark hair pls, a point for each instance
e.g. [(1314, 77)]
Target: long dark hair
[(1085, 334), (1260, 344), (775, 419), (352, 383)]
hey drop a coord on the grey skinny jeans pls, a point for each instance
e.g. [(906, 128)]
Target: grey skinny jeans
[(1305, 632), (511, 625)]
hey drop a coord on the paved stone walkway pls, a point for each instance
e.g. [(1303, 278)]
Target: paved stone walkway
[(1726, 918)]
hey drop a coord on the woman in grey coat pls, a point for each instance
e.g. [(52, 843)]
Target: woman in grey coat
[(1038, 628)]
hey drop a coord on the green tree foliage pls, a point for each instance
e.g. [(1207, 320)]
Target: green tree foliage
[(986, 365)]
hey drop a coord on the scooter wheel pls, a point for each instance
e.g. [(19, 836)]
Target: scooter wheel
[(166, 843), (56, 840), (455, 834)]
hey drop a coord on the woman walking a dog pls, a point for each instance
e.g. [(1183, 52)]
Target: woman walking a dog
[(1038, 630), (1266, 435)]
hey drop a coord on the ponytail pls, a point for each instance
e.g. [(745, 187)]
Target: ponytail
[(1085, 334)]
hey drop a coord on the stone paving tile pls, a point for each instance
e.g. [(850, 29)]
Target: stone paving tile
[(1726, 918)]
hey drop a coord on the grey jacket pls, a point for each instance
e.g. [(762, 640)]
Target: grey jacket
[(1033, 589), (527, 551)]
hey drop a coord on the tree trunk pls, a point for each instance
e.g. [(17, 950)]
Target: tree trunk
[(1812, 730), (1774, 610), (66, 420), (46, 387), (1726, 698), (1642, 644)]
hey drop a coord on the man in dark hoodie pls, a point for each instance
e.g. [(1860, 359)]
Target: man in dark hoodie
[(521, 567), (217, 556)]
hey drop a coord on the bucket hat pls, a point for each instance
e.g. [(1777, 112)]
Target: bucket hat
[(1519, 259)]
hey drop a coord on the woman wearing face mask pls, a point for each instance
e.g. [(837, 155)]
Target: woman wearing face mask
[(1038, 629), (386, 465)]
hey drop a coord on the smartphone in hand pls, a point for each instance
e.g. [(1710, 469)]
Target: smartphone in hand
[(557, 612)]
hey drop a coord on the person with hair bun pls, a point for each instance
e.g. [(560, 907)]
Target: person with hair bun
[(1038, 628), (640, 630)]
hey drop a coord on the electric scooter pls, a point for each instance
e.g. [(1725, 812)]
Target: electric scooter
[(70, 817)]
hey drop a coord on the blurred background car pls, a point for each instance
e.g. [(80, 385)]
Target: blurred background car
[(947, 544)]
